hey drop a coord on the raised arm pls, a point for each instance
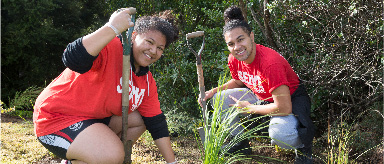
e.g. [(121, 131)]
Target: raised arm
[(118, 22)]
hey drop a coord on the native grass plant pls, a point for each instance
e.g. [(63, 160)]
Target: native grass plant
[(343, 140), (217, 139)]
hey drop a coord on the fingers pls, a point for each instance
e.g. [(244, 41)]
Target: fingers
[(121, 19), (129, 10), (233, 98), (201, 104), (208, 94)]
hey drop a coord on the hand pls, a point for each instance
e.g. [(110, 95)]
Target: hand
[(121, 19), (208, 94), (242, 105)]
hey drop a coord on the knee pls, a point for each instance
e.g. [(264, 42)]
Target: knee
[(110, 157), (285, 140), (276, 136)]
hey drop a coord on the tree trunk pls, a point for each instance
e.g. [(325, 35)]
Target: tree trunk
[(268, 29), (243, 8)]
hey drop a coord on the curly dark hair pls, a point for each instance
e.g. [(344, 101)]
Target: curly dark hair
[(234, 18), (163, 22)]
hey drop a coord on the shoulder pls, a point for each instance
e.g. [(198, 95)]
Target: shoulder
[(114, 45), (268, 56), (263, 50)]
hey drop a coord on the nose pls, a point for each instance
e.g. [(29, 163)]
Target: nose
[(153, 50), (236, 47)]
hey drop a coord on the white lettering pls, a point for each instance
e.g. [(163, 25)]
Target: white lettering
[(252, 80), (136, 94)]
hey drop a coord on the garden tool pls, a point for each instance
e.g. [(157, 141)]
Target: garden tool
[(125, 84), (200, 77)]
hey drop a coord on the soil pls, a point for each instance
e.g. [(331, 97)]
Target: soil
[(187, 151)]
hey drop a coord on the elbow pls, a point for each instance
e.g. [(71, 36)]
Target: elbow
[(76, 58)]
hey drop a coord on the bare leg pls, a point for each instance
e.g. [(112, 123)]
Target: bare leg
[(136, 125), (96, 144), (99, 143)]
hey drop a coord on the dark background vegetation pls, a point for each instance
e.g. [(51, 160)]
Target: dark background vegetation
[(336, 47)]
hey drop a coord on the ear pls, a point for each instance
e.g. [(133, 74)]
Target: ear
[(252, 35)]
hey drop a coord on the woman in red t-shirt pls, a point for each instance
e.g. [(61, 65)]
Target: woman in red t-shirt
[(78, 115)]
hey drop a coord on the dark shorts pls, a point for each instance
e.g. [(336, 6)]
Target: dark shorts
[(59, 142)]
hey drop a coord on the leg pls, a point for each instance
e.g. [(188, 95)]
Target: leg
[(243, 94), (96, 144), (283, 131), (136, 125), (101, 144)]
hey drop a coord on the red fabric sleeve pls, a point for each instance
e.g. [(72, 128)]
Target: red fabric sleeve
[(276, 76)]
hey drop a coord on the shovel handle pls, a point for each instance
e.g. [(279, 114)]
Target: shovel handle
[(125, 93), (200, 77), (195, 34)]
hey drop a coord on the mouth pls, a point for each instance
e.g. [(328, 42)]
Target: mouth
[(240, 53), (149, 57)]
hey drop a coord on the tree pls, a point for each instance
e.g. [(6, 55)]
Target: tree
[(34, 36)]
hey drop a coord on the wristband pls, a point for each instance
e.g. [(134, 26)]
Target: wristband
[(173, 162), (113, 28)]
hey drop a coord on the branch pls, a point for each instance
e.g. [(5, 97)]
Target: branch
[(255, 15), (268, 30), (243, 9)]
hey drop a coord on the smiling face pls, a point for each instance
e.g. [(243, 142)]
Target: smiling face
[(241, 45), (147, 48)]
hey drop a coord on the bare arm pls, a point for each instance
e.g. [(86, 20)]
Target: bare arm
[(164, 145), (97, 40), (281, 106)]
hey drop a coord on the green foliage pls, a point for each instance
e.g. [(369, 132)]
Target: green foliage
[(335, 47), (353, 138), (34, 36), (22, 104), (25, 100)]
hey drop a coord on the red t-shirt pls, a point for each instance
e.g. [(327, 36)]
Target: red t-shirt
[(96, 94), (268, 71)]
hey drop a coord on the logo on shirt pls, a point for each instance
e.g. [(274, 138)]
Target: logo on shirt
[(136, 94), (252, 80)]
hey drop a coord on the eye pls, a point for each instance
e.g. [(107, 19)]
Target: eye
[(150, 42), (240, 40), (230, 44), (160, 48)]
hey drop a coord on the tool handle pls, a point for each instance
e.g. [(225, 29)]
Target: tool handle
[(200, 77), (195, 34), (125, 85)]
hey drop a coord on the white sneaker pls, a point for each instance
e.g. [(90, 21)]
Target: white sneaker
[(65, 162)]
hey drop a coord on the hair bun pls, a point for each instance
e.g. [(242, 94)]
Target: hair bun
[(233, 13), (168, 16)]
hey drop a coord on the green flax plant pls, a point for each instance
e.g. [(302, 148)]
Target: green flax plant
[(218, 139)]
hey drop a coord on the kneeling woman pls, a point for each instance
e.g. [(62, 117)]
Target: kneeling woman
[(78, 116)]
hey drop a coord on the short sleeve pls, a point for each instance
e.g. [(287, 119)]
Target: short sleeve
[(276, 76)]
